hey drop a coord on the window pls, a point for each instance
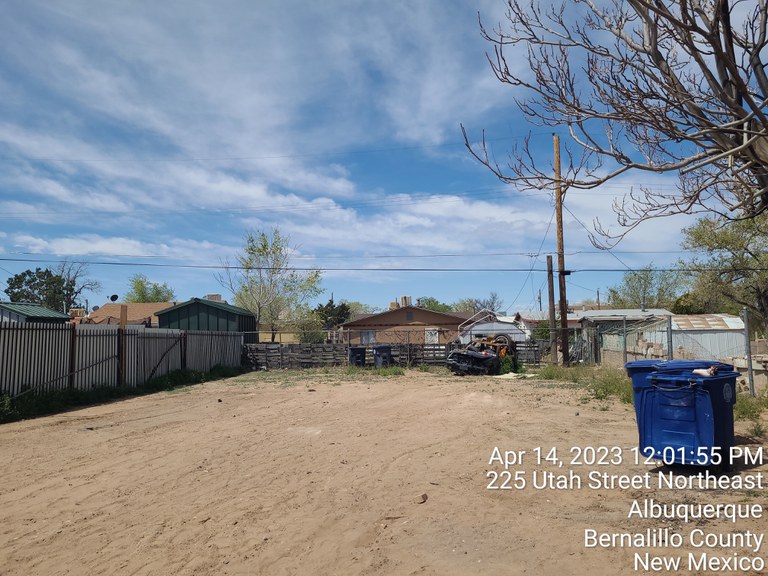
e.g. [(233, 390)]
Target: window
[(368, 337)]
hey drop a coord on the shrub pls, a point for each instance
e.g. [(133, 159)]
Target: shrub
[(508, 364), (747, 407)]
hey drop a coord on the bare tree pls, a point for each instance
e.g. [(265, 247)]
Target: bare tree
[(76, 281), (649, 85)]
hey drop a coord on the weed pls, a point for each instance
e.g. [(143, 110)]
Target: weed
[(604, 383), (508, 364), (747, 407), (388, 371), (601, 383), (757, 429), (7, 410)]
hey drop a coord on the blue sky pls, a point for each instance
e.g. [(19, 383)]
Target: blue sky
[(147, 137)]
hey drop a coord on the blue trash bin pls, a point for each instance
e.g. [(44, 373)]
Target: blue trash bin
[(684, 418), (357, 356), (640, 367), (637, 370), (687, 365), (382, 356)]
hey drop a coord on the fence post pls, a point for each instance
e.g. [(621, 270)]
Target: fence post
[(748, 352), (72, 355), (624, 338), (120, 356), (408, 347), (183, 350), (670, 346)]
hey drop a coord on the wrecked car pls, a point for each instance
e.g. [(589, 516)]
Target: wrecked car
[(479, 357)]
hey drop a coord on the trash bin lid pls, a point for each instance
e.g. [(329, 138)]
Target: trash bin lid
[(640, 366), (691, 365)]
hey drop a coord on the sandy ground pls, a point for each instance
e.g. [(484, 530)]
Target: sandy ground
[(278, 473)]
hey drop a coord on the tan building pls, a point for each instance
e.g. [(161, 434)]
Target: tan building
[(403, 325), (144, 313)]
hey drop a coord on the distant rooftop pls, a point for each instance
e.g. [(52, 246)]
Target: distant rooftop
[(32, 310)]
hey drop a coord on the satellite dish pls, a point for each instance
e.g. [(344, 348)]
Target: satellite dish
[(113, 298), (95, 308)]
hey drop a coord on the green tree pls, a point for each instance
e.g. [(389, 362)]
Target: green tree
[(701, 299), (467, 305), (263, 281), (734, 265), (39, 287), (357, 308), (541, 332), (430, 303), (646, 288), (331, 314), (143, 290), (58, 289), (309, 327)]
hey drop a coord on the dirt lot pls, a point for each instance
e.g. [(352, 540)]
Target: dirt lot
[(316, 473)]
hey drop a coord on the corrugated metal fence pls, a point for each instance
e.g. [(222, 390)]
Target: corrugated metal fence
[(48, 357), (650, 339)]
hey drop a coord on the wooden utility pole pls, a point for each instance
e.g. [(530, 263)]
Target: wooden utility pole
[(552, 321), (561, 273)]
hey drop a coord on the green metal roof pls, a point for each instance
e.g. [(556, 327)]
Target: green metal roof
[(32, 310), (212, 304)]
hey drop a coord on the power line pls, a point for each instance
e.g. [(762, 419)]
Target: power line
[(363, 269), (588, 231), (533, 262), (394, 256)]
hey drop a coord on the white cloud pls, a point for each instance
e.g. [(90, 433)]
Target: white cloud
[(168, 129)]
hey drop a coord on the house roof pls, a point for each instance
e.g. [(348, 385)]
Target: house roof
[(374, 318), (138, 312), (532, 315), (32, 310), (619, 314), (690, 322), (212, 303), (497, 326)]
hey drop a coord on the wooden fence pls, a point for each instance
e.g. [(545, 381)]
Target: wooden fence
[(283, 356), (278, 356), (49, 357)]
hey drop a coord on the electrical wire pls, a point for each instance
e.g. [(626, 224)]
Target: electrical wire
[(538, 253), (351, 268), (588, 231)]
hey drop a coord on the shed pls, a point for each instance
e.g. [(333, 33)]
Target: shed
[(201, 314), (718, 336), (20, 312), (617, 317)]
